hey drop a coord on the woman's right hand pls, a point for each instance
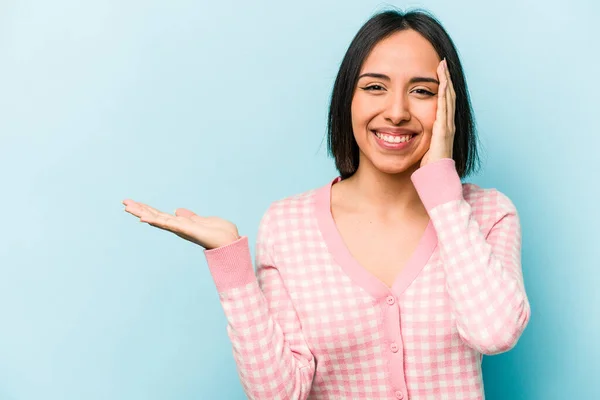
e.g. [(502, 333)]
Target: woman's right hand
[(208, 232)]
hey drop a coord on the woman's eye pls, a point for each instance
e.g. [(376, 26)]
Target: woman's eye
[(424, 92), (373, 88)]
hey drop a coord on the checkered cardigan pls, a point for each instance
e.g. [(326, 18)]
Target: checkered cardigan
[(311, 323)]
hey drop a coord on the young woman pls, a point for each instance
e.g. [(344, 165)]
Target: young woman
[(392, 280)]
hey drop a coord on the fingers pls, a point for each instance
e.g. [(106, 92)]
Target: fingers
[(442, 94), (446, 99), (145, 212), (165, 221), (133, 208), (185, 223), (450, 99), (140, 210), (176, 224), (162, 220)]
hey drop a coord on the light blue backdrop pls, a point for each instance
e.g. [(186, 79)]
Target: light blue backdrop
[(220, 107)]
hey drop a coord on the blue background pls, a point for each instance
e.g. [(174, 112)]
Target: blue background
[(221, 107)]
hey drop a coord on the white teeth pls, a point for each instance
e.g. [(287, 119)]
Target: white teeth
[(393, 139)]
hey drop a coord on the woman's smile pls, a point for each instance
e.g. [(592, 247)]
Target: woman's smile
[(393, 141)]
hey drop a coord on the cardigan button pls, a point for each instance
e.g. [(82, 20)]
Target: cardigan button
[(390, 300), (399, 394), (394, 347)]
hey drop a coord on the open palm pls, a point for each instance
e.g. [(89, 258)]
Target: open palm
[(208, 232)]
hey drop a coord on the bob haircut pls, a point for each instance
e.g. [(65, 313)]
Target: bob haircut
[(340, 139)]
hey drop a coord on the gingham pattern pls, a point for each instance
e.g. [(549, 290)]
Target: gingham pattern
[(304, 330)]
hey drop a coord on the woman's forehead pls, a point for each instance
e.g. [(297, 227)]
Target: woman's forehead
[(402, 51)]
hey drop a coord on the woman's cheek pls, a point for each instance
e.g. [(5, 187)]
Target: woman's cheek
[(426, 114), (360, 105), (356, 110)]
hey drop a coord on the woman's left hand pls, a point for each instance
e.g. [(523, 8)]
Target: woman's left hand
[(442, 137)]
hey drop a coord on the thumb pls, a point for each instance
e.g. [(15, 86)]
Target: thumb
[(182, 212)]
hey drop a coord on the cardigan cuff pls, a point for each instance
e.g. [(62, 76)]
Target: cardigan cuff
[(231, 265), (437, 183)]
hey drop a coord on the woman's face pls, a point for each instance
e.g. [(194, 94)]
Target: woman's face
[(396, 94)]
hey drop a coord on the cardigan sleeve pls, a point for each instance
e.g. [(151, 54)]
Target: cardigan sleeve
[(273, 360), (483, 272)]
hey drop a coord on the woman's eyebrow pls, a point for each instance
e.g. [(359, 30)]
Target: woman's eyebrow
[(416, 79)]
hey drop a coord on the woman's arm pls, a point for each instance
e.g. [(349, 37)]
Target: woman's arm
[(483, 273), (272, 357)]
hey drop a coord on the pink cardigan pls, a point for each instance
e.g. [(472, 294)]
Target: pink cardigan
[(313, 324)]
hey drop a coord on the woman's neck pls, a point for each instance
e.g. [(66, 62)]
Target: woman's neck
[(391, 197)]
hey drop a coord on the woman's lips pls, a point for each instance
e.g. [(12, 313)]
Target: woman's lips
[(394, 145)]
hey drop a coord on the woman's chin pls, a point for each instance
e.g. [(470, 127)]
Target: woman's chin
[(397, 167)]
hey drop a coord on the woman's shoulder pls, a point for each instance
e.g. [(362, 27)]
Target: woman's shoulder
[(297, 205), (490, 200), (306, 198)]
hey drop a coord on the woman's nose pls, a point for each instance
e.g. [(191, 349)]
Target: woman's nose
[(397, 109)]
